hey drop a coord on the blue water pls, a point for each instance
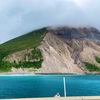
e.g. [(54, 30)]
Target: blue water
[(48, 86)]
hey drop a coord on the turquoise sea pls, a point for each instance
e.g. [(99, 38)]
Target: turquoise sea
[(48, 86)]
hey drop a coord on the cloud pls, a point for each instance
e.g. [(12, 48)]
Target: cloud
[(18, 17)]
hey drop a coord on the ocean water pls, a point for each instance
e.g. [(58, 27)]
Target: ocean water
[(48, 86)]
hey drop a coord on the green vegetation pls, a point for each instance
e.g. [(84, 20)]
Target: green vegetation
[(35, 64), (36, 54), (27, 41), (91, 67), (97, 59), (5, 66)]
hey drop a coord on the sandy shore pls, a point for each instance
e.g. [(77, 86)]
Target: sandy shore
[(17, 75), (42, 74), (37, 74)]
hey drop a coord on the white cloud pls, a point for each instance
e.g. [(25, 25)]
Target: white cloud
[(21, 16)]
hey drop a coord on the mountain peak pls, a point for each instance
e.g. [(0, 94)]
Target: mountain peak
[(76, 32)]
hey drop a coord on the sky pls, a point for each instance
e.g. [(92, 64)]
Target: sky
[(17, 17)]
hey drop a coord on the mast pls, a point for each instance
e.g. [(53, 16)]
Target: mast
[(64, 86)]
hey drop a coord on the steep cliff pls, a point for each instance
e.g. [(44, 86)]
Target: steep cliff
[(57, 57)]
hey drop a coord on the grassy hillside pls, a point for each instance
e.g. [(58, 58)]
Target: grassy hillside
[(91, 67), (27, 41)]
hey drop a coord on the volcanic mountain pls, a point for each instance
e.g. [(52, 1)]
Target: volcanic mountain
[(53, 50)]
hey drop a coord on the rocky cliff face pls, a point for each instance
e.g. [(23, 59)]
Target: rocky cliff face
[(57, 57), (65, 49)]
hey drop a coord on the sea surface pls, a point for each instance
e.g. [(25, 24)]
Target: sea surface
[(48, 86)]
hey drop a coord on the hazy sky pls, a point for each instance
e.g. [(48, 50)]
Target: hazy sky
[(18, 17)]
